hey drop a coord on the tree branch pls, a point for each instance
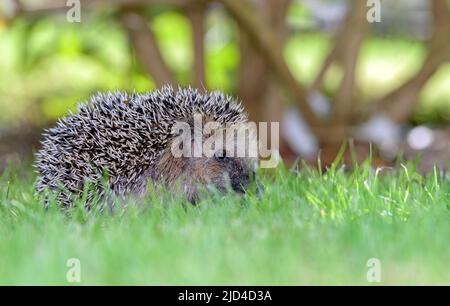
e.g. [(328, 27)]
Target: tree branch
[(399, 104), (266, 41), (58, 6), (354, 33), (196, 15), (147, 50)]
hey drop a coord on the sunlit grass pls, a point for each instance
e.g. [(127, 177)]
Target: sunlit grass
[(306, 228)]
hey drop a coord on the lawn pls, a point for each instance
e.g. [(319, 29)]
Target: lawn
[(306, 228)]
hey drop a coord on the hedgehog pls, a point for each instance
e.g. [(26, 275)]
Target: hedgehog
[(118, 143)]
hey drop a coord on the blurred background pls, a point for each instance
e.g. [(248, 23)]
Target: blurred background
[(316, 66)]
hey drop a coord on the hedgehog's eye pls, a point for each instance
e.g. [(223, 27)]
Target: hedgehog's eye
[(221, 156)]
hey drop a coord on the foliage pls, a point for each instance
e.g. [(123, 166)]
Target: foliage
[(48, 65), (307, 227)]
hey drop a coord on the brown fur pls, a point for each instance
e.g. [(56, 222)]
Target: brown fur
[(187, 174)]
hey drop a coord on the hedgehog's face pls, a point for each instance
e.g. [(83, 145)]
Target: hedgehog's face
[(223, 171), (209, 154)]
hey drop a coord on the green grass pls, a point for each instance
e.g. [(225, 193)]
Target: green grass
[(306, 228)]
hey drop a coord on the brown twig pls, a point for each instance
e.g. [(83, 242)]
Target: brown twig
[(355, 31), (58, 6), (266, 42), (147, 50), (196, 15), (257, 87), (400, 103)]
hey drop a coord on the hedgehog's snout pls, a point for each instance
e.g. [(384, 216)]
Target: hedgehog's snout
[(241, 181), (240, 173)]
